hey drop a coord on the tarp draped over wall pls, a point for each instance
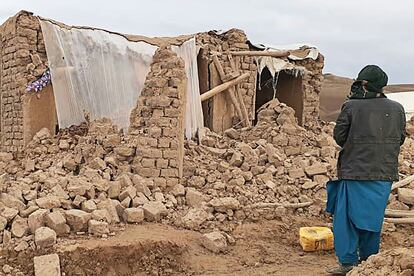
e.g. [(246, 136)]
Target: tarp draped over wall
[(194, 112), (101, 74), (95, 72)]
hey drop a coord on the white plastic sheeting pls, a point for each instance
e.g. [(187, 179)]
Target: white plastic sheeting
[(406, 99), (95, 72), (194, 113)]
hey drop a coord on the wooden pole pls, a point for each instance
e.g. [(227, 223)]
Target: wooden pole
[(402, 183), (276, 54), (398, 213), (231, 89), (242, 105), (222, 87), (409, 220)]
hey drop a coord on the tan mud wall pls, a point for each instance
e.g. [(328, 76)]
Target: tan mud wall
[(158, 121), (311, 86), (23, 60)]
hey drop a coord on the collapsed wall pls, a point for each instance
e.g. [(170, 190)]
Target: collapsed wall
[(23, 60), (158, 121), (219, 113)]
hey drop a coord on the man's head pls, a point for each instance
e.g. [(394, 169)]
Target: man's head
[(373, 78)]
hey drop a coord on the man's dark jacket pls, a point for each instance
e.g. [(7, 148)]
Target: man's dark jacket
[(370, 132)]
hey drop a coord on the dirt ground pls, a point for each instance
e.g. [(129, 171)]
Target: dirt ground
[(261, 248)]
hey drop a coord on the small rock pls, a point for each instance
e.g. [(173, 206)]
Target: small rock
[(214, 241), (3, 223), (232, 133), (22, 246), (139, 200), (77, 219), (45, 237), (309, 185), (37, 219), (178, 190), (406, 195), (194, 218), (129, 191), (133, 215), (101, 215), (154, 210), (315, 170), (225, 203), (114, 189), (98, 227), (47, 265), (19, 227), (9, 213), (48, 202), (7, 269), (57, 222), (89, 206), (194, 198)]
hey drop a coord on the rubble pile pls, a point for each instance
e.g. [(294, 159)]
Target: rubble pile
[(85, 180), (399, 261)]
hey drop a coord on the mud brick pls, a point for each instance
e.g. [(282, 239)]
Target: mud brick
[(164, 142), (170, 154), (148, 163), (162, 163), (169, 172)]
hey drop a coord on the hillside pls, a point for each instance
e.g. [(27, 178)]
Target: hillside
[(335, 90)]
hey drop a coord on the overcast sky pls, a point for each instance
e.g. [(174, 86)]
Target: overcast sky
[(350, 33)]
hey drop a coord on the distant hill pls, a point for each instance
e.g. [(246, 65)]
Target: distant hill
[(335, 89)]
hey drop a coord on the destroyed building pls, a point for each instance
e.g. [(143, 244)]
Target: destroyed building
[(159, 89)]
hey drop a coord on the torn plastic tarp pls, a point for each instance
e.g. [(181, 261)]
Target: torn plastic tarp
[(194, 112), (95, 72)]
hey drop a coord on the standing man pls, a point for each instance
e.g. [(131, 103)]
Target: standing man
[(370, 129)]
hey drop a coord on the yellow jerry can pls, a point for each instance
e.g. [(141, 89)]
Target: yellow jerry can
[(316, 238)]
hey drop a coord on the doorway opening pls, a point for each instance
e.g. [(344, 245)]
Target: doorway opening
[(286, 87)]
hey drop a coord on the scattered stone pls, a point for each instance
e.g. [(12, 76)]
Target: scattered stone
[(37, 219), (47, 265), (48, 202), (9, 213), (98, 227), (154, 210), (45, 237), (214, 241), (57, 222), (225, 203), (406, 195), (133, 215), (19, 227), (88, 206), (178, 190), (194, 218), (194, 198), (77, 219), (315, 170)]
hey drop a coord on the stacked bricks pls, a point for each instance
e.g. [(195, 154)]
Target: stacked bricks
[(311, 86), (157, 122), (23, 60), (233, 40)]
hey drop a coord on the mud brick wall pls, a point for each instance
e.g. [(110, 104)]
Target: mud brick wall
[(311, 86), (158, 121), (22, 60), (219, 109)]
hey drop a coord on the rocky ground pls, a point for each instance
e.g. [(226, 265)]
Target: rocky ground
[(81, 185)]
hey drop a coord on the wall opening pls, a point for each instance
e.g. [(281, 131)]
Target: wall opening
[(39, 112), (288, 91)]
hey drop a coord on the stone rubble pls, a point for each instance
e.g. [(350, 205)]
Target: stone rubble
[(399, 261), (83, 179)]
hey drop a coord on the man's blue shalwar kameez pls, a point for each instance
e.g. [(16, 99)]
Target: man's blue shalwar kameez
[(358, 208)]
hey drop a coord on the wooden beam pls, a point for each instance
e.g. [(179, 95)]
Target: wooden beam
[(242, 104), (276, 54), (409, 220), (398, 213), (402, 183), (231, 89), (223, 87)]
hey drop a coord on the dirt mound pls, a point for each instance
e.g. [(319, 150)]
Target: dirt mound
[(399, 261)]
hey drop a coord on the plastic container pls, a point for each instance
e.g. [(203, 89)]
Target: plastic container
[(316, 238)]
